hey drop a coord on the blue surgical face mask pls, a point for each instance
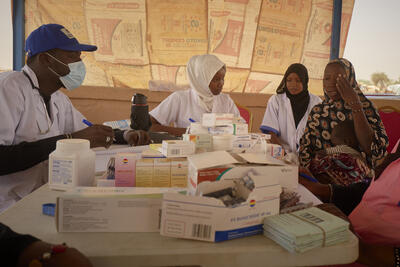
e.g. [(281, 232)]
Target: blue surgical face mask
[(76, 75)]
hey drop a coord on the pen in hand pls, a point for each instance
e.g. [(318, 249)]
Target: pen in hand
[(312, 179), (88, 123)]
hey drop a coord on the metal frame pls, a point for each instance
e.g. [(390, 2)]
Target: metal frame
[(336, 25), (18, 15)]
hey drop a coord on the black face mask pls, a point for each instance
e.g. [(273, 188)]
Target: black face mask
[(140, 118)]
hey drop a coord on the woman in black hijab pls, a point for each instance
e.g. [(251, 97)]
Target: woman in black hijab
[(286, 114)]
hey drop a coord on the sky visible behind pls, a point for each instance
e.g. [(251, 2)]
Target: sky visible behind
[(6, 33), (373, 42)]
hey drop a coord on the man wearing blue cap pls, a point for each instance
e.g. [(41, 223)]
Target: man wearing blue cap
[(35, 114)]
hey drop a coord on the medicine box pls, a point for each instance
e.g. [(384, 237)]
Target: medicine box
[(162, 173), (201, 141), (231, 128), (208, 219), (217, 119), (144, 172), (274, 150), (125, 164), (110, 209), (177, 148), (220, 165), (179, 172)]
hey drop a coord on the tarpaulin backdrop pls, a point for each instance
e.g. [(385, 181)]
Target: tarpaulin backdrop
[(142, 40)]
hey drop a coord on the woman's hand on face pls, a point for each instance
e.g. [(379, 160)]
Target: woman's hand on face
[(348, 94)]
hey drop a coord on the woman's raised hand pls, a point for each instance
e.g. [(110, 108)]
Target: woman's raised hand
[(347, 92)]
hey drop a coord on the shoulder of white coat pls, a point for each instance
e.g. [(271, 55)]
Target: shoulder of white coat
[(60, 97), (315, 99), (14, 82), (225, 97), (277, 100), (181, 95)]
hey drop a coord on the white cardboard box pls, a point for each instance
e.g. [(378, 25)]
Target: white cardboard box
[(217, 119), (231, 128), (177, 148), (110, 209), (219, 165), (200, 140), (208, 219)]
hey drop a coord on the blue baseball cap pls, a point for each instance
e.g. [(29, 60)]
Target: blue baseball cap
[(51, 36)]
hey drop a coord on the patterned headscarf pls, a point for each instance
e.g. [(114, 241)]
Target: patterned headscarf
[(325, 116), (200, 71), (300, 101)]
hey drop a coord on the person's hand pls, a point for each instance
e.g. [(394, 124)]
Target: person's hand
[(137, 137), (322, 191), (275, 139), (98, 135), (348, 94), (305, 171), (70, 257)]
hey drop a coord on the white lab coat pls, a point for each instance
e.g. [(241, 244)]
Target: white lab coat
[(279, 117), (181, 106), (23, 118)]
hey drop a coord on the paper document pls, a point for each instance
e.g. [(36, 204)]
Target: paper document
[(211, 159), (306, 196)]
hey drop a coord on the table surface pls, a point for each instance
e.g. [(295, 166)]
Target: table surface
[(152, 249)]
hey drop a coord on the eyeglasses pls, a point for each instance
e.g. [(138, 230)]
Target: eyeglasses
[(47, 118)]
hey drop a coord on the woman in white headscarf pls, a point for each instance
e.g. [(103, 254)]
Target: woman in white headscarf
[(206, 75)]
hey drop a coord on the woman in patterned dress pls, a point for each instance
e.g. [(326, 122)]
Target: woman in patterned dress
[(343, 100)]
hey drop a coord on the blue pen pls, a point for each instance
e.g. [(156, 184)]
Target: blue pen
[(191, 120), (88, 123), (312, 179)]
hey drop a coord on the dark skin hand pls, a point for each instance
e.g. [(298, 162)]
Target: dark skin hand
[(137, 138), (157, 127), (97, 135), (337, 87), (71, 256), (275, 139)]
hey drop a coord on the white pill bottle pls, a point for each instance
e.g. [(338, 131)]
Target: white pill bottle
[(71, 164)]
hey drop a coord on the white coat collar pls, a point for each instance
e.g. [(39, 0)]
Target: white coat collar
[(31, 75)]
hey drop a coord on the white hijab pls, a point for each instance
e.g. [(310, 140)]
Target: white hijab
[(200, 71)]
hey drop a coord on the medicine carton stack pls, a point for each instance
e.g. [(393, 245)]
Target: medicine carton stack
[(131, 171), (224, 131), (215, 132), (219, 168)]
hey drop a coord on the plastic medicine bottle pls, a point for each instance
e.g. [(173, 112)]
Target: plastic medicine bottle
[(71, 164)]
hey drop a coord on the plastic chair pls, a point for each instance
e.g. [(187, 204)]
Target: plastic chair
[(390, 117), (246, 114)]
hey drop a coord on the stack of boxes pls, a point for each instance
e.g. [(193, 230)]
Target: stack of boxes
[(161, 172), (150, 172)]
